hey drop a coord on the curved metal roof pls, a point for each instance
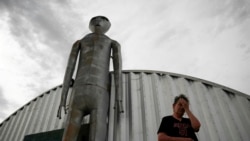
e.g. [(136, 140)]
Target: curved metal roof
[(147, 97)]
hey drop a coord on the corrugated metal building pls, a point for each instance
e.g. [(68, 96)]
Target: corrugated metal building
[(148, 96)]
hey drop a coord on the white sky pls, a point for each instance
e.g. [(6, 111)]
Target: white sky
[(208, 39)]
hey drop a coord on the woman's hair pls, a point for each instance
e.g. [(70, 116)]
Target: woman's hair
[(179, 97)]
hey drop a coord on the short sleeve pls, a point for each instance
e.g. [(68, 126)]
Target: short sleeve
[(164, 126), (161, 128)]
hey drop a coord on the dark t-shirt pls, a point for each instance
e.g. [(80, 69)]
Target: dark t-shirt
[(175, 128)]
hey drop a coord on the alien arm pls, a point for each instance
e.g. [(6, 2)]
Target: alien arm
[(68, 76), (117, 64)]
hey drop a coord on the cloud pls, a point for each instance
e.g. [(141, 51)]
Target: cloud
[(4, 104), (41, 30), (231, 12), (36, 43), (3, 101), (34, 22)]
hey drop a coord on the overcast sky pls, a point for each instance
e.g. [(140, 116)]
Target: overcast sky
[(208, 39)]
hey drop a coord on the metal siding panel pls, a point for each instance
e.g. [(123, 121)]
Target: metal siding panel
[(237, 123), (231, 122), (41, 110), (246, 105), (165, 96), (2, 130), (44, 113), (143, 105), (124, 122), (244, 111), (129, 105), (25, 113), (215, 116), (46, 123), (157, 80), (48, 98), (32, 117), (149, 108), (204, 115), (136, 125), (222, 111), (174, 90), (160, 97), (29, 119), (182, 88), (20, 124), (50, 118), (155, 90), (210, 113), (14, 130), (35, 116), (8, 130)]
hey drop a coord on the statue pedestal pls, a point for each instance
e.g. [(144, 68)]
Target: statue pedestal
[(56, 135)]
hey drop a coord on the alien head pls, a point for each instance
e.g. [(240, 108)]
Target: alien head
[(99, 24)]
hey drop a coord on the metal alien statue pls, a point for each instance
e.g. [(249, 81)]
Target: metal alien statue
[(90, 92)]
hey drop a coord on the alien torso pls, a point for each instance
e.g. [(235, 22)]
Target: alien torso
[(94, 60)]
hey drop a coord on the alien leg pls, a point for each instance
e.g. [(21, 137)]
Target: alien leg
[(98, 118), (73, 125)]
